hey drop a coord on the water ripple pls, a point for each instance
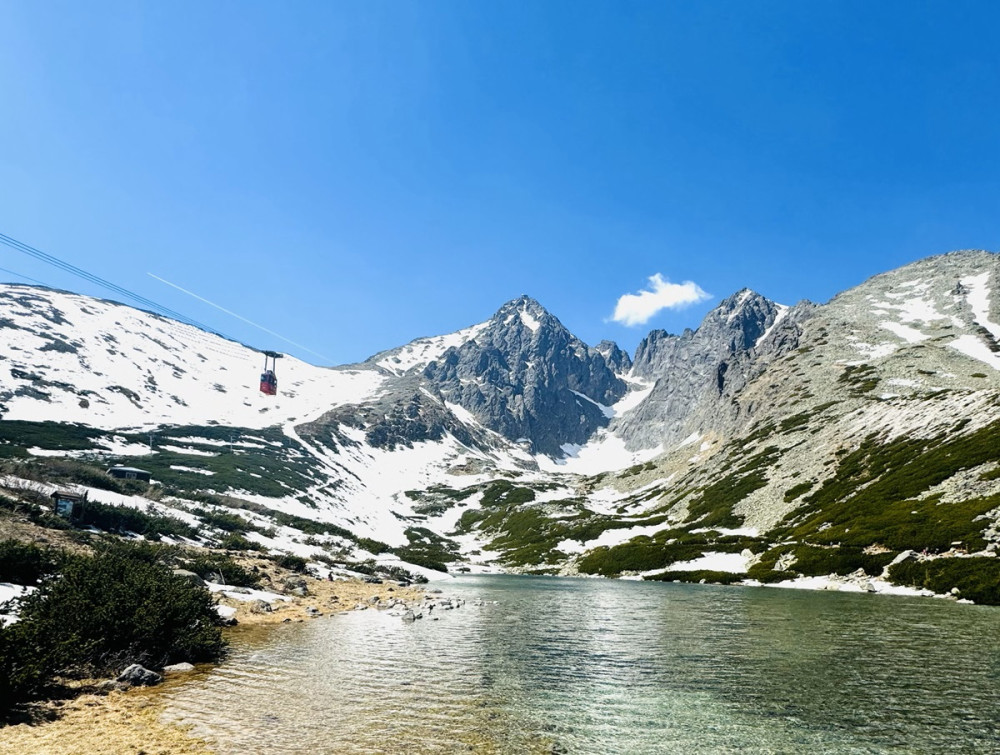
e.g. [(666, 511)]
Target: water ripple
[(590, 666)]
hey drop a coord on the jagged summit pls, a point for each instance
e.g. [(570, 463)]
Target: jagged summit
[(524, 375), (525, 312), (617, 358)]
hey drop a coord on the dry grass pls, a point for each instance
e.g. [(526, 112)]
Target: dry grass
[(120, 723)]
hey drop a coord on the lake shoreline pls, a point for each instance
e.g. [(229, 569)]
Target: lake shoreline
[(130, 722)]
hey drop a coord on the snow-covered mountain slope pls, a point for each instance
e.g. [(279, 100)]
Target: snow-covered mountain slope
[(71, 358), (419, 353), (826, 436)]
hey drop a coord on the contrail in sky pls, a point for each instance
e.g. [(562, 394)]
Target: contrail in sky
[(239, 317)]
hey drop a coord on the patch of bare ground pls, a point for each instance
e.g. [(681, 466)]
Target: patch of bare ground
[(326, 597)]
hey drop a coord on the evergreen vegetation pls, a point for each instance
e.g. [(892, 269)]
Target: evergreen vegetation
[(125, 519), (25, 563), (875, 496), (99, 613), (976, 579)]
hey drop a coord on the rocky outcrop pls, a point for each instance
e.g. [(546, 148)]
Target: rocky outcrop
[(617, 359), (526, 377), (698, 373)]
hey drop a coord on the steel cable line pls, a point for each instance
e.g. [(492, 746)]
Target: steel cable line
[(81, 273), (18, 275)]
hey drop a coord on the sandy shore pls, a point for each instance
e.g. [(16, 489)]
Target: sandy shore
[(129, 723)]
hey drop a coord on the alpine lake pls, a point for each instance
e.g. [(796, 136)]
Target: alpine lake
[(553, 665)]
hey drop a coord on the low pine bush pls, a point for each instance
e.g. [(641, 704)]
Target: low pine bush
[(102, 612)]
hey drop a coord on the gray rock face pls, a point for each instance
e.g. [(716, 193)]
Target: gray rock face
[(527, 377), (697, 373), (619, 361)]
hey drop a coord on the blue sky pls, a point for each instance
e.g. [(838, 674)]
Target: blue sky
[(353, 175)]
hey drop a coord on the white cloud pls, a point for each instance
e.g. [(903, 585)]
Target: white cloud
[(637, 309)]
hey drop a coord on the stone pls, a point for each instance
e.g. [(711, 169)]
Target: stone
[(137, 676), (260, 606), (190, 576), (178, 668), (409, 616), (295, 585)]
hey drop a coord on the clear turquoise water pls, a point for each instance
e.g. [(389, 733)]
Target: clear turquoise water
[(595, 666)]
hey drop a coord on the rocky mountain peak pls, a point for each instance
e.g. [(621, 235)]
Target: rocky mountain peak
[(524, 313), (696, 373), (617, 359), (524, 375)]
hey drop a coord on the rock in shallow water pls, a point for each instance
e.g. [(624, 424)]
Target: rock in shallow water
[(178, 668)]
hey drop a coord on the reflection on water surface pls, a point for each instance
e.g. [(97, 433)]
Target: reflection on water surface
[(596, 666)]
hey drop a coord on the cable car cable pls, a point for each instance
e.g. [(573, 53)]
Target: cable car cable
[(33, 280), (81, 273)]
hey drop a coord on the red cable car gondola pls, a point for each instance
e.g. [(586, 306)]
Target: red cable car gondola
[(268, 378)]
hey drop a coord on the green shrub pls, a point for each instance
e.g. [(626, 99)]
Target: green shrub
[(717, 577), (797, 491), (977, 578), (225, 521), (876, 496), (122, 519), (811, 561), (290, 562), (638, 554), (236, 542), (714, 507), (424, 560), (504, 491), (120, 606), (25, 563), (215, 567)]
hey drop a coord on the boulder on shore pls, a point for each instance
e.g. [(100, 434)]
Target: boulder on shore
[(137, 676)]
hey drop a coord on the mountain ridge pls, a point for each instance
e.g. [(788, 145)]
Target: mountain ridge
[(514, 444)]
